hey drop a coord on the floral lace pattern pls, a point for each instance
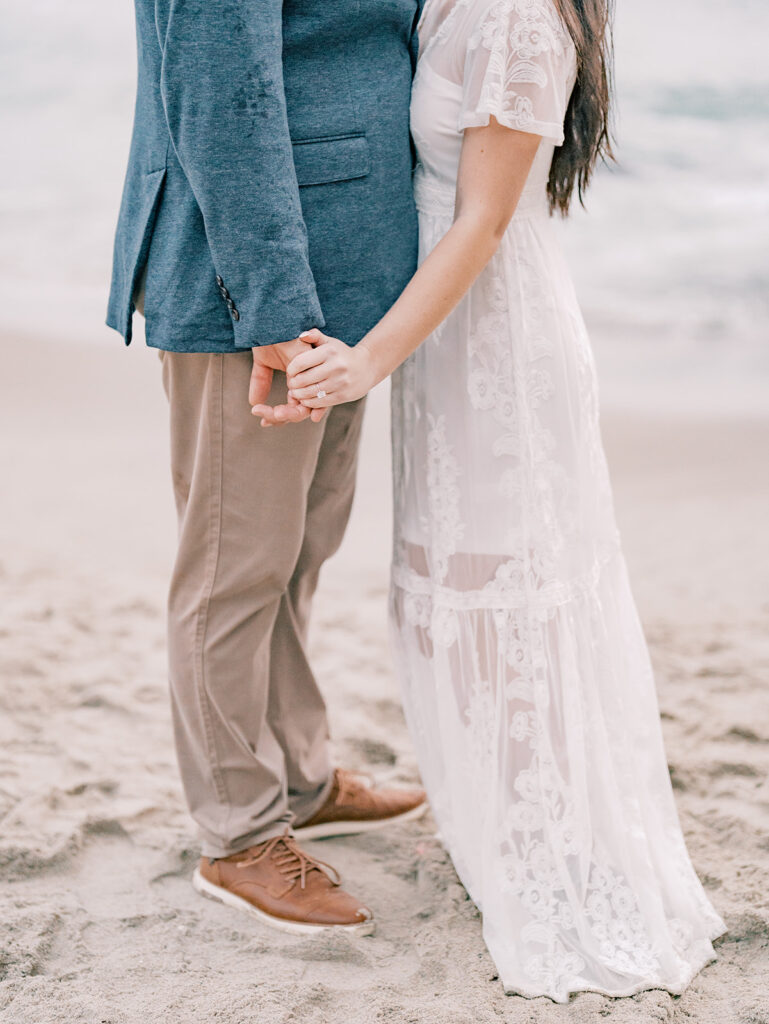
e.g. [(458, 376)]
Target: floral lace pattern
[(443, 523), (510, 60), (526, 679)]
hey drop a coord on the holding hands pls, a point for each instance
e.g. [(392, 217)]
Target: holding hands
[(320, 371)]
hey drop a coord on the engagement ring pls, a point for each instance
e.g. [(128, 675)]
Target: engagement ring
[(321, 393)]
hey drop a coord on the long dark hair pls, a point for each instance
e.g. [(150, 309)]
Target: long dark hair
[(587, 127)]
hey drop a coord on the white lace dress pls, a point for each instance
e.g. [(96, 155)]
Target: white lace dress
[(528, 688)]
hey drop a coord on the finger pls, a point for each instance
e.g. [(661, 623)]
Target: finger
[(260, 383), (323, 403), (316, 415), (292, 413), (272, 422), (313, 336), (280, 417), (310, 357), (277, 415), (274, 415), (268, 414), (321, 389), (309, 377)]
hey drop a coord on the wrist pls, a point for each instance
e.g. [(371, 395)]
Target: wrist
[(373, 368)]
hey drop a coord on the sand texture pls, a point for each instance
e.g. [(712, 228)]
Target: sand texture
[(98, 921)]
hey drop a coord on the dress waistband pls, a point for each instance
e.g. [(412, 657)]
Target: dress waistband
[(437, 199)]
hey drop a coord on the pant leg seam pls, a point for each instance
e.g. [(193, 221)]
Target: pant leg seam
[(212, 556)]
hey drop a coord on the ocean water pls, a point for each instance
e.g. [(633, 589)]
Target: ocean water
[(671, 257)]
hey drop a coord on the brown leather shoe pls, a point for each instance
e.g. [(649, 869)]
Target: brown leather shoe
[(354, 806), (281, 885)]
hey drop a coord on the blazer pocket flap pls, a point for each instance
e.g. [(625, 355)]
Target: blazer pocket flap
[(321, 161)]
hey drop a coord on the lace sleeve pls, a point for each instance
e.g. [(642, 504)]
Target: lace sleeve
[(519, 67)]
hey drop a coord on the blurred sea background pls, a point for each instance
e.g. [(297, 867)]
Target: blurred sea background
[(671, 258)]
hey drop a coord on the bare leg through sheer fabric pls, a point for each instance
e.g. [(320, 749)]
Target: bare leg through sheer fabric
[(526, 678)]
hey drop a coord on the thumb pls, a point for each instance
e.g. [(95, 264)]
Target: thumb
[(260, 384), (313, 337)]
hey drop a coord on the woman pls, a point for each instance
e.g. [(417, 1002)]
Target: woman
[(527, 681)]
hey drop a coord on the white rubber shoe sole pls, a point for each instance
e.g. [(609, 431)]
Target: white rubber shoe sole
[(354, 828), (216, 892)]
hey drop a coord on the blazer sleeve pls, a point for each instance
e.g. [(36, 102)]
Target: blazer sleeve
[(222, 92)]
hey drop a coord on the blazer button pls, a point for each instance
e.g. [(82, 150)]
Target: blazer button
[(234, 314)]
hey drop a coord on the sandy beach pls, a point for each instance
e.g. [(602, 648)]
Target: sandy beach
[(98, 921)]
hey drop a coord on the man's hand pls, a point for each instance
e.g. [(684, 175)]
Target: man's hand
[(267, 359)]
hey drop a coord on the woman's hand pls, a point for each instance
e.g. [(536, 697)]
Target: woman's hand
[(330, 372)]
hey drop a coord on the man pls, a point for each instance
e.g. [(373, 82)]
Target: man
[(268, 192)]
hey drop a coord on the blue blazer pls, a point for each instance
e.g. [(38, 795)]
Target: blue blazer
[(269, 177)]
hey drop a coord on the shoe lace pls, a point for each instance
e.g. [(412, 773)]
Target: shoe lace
[(290, 860)]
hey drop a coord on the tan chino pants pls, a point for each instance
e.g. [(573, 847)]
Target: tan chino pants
[(259, 512)]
